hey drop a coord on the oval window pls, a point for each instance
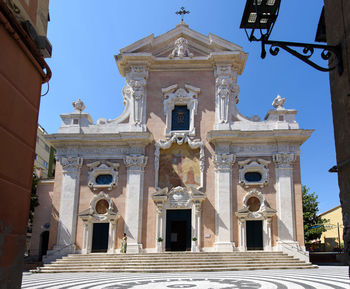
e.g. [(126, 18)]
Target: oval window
[(253, 204), (102, 206), (253, 177), (104, 179)]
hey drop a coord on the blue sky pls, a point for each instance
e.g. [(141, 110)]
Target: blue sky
[(87, 34)]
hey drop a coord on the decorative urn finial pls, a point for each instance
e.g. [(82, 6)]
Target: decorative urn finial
[(278, 102), (78, 105)]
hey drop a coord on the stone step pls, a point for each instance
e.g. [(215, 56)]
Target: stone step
[(176, 264), (173, 262), (177, 258), (177, 269), (87, 262)]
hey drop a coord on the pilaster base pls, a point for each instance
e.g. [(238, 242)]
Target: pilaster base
[(195, 247), (224, 246), (134, 248), (292, 248)]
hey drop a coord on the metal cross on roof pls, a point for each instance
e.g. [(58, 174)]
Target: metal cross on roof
[(182, 12)]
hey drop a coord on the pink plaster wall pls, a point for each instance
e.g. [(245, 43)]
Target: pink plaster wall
[(204, 121)]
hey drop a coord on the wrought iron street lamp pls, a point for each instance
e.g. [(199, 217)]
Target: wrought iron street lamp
[(261, 15)]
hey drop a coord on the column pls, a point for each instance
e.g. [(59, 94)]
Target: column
[(134, 197), (285, 196), (68, 205), (223, 202)]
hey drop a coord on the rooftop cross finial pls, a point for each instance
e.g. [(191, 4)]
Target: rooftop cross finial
[(182, 12)]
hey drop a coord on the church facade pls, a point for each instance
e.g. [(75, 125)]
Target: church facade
[(181, 169)]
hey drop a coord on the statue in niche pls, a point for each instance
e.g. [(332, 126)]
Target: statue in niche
[(224, 91), (135, 89)]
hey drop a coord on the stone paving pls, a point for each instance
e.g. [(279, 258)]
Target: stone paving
[(324, 277)]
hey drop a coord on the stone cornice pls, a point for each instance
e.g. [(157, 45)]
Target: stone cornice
[(103, 139), (235, 58), (296, 136)]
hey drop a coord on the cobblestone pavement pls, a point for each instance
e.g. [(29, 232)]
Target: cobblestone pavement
[(322, 278)]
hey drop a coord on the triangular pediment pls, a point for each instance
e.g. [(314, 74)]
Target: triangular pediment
[(198, 44)]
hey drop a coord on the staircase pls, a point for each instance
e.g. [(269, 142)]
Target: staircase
[(173, 262)]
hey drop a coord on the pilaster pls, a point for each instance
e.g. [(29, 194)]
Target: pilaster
[(223, 202), (285, 196), (69, 204), (134, 194)]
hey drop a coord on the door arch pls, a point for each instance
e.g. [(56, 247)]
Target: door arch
[(254, 221)]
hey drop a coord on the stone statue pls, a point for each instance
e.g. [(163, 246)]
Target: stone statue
[(224, 91), (181, 49)]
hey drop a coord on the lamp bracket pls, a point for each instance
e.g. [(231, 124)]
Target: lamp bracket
[(308, 50)]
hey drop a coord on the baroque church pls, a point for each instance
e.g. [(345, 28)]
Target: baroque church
[(181, 169)]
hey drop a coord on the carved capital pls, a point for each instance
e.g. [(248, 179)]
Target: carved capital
[(284, 160), (135, 161), (224, 161), (71, 163)]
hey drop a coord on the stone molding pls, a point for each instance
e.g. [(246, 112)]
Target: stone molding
[(251, 165), (71, 163), (91, 216), (224, 161), (135, 162), (178, 138), (99, 168), (179, 198), (173, 95), (264, 212), (284, 160)]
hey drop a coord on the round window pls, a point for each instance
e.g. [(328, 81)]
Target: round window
[(102, 206), (104, 179), (253, 204), (253, 177)]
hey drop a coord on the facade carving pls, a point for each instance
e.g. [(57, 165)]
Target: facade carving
[(173, 95), (71, 163), (135, 162), (284, 160), (259, 166), (181, 49), (226, 91), (103, 168), (224, 161)]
